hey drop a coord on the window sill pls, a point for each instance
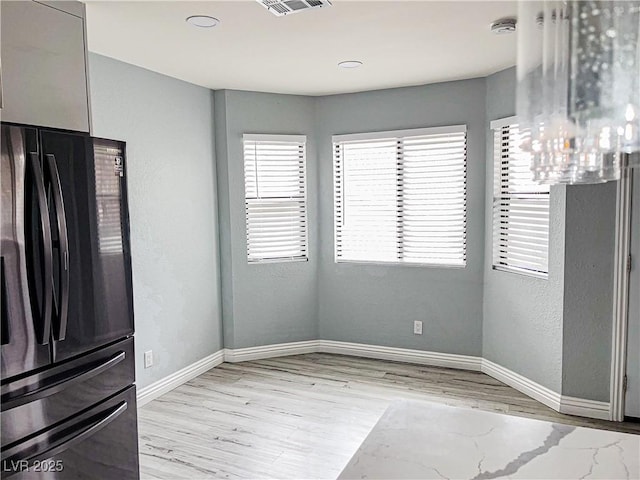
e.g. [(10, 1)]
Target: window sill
[(401, 264), (278, 260), (521, 272)]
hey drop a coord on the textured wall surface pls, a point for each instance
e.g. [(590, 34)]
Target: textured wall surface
[(224, 216), (588, 290), (377, 304), (522, 322), (168, 127), (554, 331), (272, 302)]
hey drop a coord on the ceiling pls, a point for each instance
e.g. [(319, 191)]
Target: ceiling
[(400, 42)]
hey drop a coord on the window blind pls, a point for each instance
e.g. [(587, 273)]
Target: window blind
[(400, 197), (520, 206), (275, 197)]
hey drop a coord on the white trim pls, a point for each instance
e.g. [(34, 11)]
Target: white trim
[(560, 403), (168, 383), (278, 260), (520, 271), (503, 122), (421, 357), (269, 351), (522, 384), (584, 408), (413, 132), (264, 137), (399, 264), (620, 296)]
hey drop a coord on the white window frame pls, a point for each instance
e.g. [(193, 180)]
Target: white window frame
[(294, 139), (497, 160), (391, 134)]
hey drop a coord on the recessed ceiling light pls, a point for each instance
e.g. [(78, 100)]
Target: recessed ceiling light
[(202, 21), (350, 64)]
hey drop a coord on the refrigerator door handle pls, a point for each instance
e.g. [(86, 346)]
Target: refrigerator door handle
[(37, 391), (42, 334), (57, 440), (60, 328)]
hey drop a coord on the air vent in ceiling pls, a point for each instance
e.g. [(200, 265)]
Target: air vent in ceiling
[(285, 7)]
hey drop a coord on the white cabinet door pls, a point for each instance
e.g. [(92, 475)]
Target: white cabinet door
[(44, 75)]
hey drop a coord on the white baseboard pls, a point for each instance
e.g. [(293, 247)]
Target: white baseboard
[(420, 357), (168, 383), (563, 404), (522, 384), (269, 351), (584, 408)]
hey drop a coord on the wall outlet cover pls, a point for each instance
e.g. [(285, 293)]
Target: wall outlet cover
[(417, 327), (148, 358)]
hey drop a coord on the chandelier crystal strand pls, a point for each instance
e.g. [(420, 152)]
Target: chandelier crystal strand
[(605, 83), (579, 88), (543, 88)]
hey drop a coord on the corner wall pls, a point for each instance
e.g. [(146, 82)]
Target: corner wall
[(266, 303), (522, 316), (168, 127), (556, 332)]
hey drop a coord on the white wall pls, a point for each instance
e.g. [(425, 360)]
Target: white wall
[(168, 127)]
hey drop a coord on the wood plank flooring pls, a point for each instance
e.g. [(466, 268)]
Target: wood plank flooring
[(303, 416)]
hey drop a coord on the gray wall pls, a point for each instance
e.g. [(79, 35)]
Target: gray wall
[(555, 331), (588, 290), (273, 302), (377, 304), (522, 321), (168, 127)]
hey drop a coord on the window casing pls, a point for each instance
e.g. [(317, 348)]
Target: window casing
[(520, 206), (400, 197), (275, 197)]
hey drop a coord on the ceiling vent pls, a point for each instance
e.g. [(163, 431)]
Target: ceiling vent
[(286, 7)]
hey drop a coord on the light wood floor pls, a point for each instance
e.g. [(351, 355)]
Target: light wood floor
[(303, 416)]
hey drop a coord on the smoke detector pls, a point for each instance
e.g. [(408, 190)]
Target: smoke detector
[(504, 26), (285, 7)]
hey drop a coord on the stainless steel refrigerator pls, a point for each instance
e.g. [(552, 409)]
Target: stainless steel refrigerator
[(68, 403)]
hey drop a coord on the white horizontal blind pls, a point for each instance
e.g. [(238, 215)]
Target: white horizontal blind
[(520, 207), (275, 197), (400, 197)]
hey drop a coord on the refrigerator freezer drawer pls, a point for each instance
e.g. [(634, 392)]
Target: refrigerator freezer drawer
[(36, 402), (100, 443)]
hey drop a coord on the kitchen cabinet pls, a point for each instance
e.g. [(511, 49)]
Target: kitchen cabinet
[(44, 64)]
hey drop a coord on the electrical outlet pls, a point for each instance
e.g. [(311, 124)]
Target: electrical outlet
[(417, 327), (148, 359)]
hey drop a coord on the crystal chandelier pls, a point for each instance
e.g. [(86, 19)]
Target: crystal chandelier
[(578, 92)]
